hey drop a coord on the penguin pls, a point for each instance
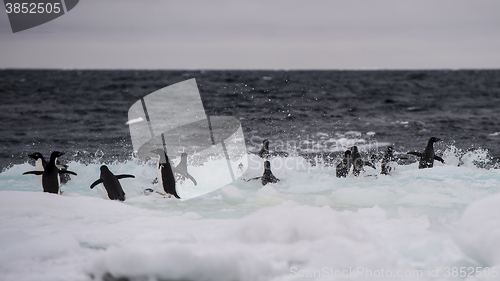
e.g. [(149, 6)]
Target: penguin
[(427, 157), (165, 175), (342, 169), (264, 152), (181, 170), (111, 185), (40, 163), (358, 163), (388, 158), (268, 176), (50, 179)]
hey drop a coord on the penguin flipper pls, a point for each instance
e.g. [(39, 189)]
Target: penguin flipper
[(419, 154), (95, 183), (369, 164), (124, 176), (257, 178), (67, 172), (33, 173), (438, 159)]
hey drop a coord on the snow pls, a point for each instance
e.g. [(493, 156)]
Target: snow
[(308, 223)]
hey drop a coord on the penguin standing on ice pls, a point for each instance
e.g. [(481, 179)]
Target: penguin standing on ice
[(111, 184), (165, 175), (50, 174), (427, 157), (267, 176), (40, 164)]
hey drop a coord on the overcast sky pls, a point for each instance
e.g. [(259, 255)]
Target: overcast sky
[(203, 34)]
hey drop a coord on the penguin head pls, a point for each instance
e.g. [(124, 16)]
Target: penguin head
[(354, 149), (265, 143), (347, 154), (104, 168), (56, 154), (36, 155), (434, 139), (390, 149), (267, 165)]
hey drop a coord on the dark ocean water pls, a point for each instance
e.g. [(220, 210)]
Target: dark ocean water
[(83, 113)]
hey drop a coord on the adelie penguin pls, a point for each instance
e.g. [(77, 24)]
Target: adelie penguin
[(343, 168), (165, 175), (357, 162), (267, 176), (40, 164), (389, 161), (265, 153), (111, 184), (50, 174), (427, 157)]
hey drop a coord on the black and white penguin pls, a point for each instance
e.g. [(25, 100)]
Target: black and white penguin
[(165, 175), (427, 157), (343, 168), (50, 174), (358, 163), (267, 176), (265, 153), (40, 163), (387, 161), (181, 170), (111, 184)]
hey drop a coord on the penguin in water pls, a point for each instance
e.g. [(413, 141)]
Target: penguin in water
[(388, 158), (264, 152), (358, 163), (427, 157), (111, 185), (343, 168), (165, 175), (40, 164), (50, 174), (181, 170)]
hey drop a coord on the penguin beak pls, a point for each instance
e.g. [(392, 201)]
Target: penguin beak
[(438, 139)]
